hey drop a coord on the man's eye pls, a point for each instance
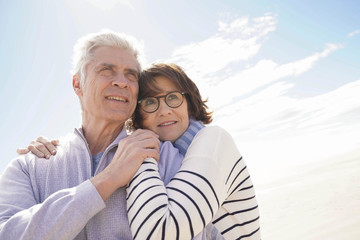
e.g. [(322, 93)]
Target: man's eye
[(132, 76), (106, 71)]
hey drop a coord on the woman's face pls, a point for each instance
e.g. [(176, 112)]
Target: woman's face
[(169, 123)]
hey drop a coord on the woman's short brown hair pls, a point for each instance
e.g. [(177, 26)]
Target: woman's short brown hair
[(197, 107)]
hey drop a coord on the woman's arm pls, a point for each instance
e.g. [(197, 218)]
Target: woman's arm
[(212, 173)]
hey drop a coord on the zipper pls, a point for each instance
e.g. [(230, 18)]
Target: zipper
[(87, 147), (102, 157), (90, 155)]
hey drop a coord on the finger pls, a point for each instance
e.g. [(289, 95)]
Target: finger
[(50, 147), (144, 133), (144, 137), (35, 151), (43, 148), (42, 139), (55, 142), (22, 150), (151, 153), (152, 144), (149, 142)]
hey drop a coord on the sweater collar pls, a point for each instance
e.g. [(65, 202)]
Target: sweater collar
[(183, 142), (79, 132)]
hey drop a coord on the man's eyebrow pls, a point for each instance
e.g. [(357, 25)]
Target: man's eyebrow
[(113, 66), (101, 65), (107, 65)]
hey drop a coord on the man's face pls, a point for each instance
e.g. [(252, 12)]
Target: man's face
[(111, 86)]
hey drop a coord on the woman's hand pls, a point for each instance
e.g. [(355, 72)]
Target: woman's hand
[(41, 147)]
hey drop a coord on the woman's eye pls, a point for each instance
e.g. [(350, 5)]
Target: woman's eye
[(173, 96), (149, 101)]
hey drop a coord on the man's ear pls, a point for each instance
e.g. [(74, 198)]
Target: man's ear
[(76, 85)]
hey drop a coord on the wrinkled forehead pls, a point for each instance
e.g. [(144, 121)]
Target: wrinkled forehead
[(117, 57)]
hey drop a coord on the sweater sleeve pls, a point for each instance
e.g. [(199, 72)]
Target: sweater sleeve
[(62, 215), (212, 171)]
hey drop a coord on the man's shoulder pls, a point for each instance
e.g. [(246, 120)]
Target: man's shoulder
[(72, 140), (68, 144), (69, 138)]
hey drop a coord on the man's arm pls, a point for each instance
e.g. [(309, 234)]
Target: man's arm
[(65, 213), (60, 216), (211, 174)]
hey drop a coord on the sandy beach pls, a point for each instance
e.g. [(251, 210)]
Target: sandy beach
[(314, 201)]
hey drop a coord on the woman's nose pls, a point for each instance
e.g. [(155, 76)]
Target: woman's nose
[(164, 109)]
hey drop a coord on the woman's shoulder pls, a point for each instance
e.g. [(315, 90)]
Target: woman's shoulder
[(214, 139), (214, 132)]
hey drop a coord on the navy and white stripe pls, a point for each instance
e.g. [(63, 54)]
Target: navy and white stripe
[(212, 185)]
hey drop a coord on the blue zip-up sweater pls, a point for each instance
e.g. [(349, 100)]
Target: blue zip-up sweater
[(54, 199)]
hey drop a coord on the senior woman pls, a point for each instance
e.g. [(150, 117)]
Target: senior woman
[(201, 187)]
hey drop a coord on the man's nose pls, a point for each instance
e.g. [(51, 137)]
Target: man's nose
[(120, 81)]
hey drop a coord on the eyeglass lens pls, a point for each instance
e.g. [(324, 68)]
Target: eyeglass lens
[(172, 99)]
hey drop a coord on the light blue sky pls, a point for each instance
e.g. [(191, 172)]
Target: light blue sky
[(282, 76)]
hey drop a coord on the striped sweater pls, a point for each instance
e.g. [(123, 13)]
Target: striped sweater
[(212, 185)]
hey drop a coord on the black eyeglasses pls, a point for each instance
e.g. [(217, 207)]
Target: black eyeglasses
[(173, 99)]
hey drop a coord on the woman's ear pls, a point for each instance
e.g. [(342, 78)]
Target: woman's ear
[(77, 85)]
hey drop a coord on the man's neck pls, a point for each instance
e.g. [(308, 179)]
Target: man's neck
[(100, 136)]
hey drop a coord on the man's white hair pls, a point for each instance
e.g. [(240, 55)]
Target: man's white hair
[(85, 46)]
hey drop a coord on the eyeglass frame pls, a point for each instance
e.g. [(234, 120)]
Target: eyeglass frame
[(162, 96)]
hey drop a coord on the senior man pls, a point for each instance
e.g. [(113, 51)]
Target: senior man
[(80, 193)]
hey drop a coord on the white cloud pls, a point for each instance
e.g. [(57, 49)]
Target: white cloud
[(245, 27), (260, 75), (215, 63), (238, 40), (356, 32), (303, 65)]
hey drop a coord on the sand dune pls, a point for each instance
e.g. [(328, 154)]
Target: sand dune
[(317, 201)]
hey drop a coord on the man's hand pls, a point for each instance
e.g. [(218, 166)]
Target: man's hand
[(131, 152)]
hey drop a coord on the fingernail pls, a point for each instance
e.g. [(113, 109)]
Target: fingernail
[(47, 156), (53, 151), (41, 155)]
